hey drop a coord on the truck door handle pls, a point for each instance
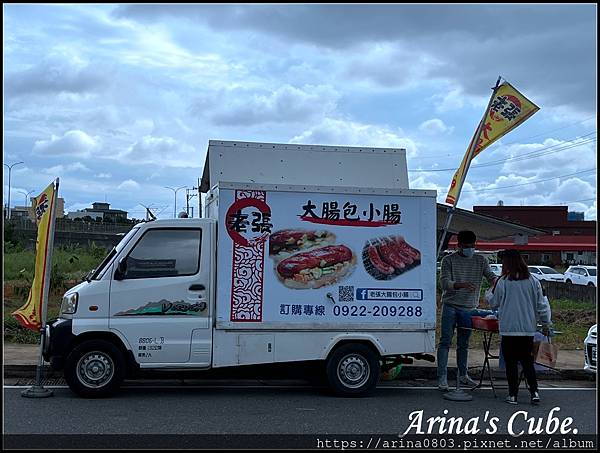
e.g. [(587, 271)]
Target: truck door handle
[(197, 288)]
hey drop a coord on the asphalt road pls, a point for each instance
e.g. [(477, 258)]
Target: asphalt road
[(278, 410)]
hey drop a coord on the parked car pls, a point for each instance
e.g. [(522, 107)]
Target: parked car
[(581, 275), (496, 269), (590, 350), (546, 273)]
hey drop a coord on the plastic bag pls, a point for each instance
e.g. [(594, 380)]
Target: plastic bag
[(545, 353), (489, 293)]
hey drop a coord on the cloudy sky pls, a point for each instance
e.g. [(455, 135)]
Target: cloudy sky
[(121, 100)]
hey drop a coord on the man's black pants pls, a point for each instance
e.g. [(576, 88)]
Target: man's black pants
[(515, 350)]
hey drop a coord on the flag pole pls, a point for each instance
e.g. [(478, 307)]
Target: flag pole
[(470, 152), (38, 390)]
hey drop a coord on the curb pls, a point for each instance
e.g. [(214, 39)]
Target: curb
[(407, 373), (416, 372)]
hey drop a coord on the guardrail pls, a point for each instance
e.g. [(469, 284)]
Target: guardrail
[(63, 225)]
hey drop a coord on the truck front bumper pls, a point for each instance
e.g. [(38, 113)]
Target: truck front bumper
[(57, 341)]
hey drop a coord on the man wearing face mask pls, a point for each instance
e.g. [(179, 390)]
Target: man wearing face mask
[(461, 277)]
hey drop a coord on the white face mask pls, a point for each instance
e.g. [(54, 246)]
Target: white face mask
[(468, 252)]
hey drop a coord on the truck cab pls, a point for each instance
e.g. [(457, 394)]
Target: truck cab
[(161, 269)]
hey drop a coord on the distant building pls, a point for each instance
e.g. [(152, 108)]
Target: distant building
[(575, 216), (21, 212), (100, 211), (567, 242), (28, 212), (554, 219)]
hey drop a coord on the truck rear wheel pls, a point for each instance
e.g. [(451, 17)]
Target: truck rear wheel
[(353, 370), (95, 369)]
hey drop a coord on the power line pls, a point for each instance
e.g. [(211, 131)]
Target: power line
[(534, 154), (532, 182), (521, 139), (529, 155), (564, 146), (577, 201), (547, 132)]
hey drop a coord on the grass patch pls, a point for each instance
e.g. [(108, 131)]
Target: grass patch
[(569, 304), (14, 332), (572, 336), (70, 263)]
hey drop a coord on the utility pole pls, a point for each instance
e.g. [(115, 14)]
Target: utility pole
[(9, 171), (175, 193), (149, 214), (199, 200), (188, 197)]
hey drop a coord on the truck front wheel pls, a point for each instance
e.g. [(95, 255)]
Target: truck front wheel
[(95, 369), (353, 370)]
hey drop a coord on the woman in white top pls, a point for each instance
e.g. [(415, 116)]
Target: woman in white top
[(520, 302)]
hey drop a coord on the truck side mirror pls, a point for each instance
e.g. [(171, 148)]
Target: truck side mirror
[(121, 269)]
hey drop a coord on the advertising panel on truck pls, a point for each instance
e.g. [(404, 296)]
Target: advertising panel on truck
[(289, 258)]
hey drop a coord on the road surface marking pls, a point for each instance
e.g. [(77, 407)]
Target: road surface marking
[(11, 387)]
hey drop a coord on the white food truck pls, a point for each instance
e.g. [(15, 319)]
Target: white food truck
[(303, 253)]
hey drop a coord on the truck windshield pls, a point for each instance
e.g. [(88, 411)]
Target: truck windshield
[(113, 252)]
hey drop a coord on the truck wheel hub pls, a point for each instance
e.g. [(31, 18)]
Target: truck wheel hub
[(353, 371), (95, 369)]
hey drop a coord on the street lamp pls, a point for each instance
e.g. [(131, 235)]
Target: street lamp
[(175, 192), (9, 171), (26, 195)]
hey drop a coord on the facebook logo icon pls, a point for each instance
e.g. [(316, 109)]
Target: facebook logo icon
[(362, 294), (386, 294)]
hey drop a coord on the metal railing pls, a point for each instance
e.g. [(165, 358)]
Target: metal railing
[(65, 225)]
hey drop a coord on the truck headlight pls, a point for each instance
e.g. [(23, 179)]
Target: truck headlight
[(69, 304)]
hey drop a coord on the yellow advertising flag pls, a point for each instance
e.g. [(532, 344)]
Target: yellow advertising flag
[(507, 109), (30, 314)]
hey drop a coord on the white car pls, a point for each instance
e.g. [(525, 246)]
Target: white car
[(581, 275), (496, 269), (546, 273), (590, 350)]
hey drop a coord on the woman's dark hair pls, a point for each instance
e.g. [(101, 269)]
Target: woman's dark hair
[(513, 265)]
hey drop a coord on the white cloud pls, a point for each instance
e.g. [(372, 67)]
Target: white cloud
[(164, 152), (573, 189), (435, 126), (551, 157), (58, 170), (590, 213), (385, 65), (130, 184), (421, 182), (339, 132), (72, 143), (455, 99), (285, 104), (103, 176), (61, 72)]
